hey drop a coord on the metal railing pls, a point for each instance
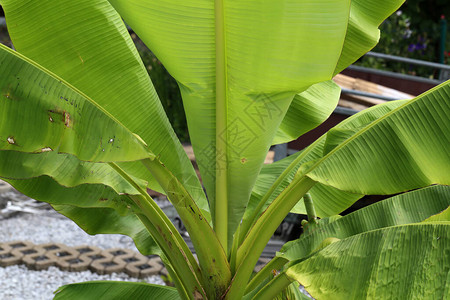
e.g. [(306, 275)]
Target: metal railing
[(412, 61), (444, 69)]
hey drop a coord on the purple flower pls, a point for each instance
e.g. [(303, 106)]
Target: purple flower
[(411, 47), (420, 46)]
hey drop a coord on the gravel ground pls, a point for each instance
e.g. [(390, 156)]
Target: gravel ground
[(20, 283)]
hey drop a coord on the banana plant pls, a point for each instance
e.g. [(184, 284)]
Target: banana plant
[(82, 128)]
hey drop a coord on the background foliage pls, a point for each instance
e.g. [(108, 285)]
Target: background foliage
[(413, 32)]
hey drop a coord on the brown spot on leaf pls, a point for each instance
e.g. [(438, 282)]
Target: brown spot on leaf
[(243, 160), (197, 295), (103, 199), (67, 120)]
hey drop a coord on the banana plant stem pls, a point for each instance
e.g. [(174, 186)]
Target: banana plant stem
[(221, 196), (260, 233), (167, 237), (187, 286), (176, 280), (212, 258)]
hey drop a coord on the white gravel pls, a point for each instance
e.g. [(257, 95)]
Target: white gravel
[(20, 283)]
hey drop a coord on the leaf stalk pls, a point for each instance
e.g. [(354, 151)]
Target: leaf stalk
[(273, 287), (212, 258), (261, 232)]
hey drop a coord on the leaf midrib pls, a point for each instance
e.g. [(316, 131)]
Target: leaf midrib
[(221, 180)]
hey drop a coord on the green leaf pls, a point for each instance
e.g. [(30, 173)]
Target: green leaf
[(405, 208), (41, 113), (250, 72), (362, 31), (107, 221), (409, 261), (97, 209), (86, 44), (46, 189), (308, 110), (66, 169), (115, 290), (328, 201), (402, 150)]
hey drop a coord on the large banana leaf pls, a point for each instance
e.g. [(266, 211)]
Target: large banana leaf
[(40, 114), (328, 201), (434, 127), (87, 44), (249, 65), (111, 290), (408, 261), (403, 150), (411, 207), (76, 126)]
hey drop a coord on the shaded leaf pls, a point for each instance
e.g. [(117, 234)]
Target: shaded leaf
[(108, 221), (405, 208), (443, 216)]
